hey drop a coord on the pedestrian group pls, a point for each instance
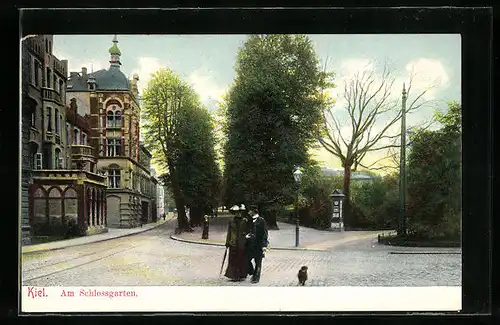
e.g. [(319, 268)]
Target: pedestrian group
[(247, 242)]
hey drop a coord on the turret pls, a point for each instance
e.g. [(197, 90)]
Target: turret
[(115, 53)]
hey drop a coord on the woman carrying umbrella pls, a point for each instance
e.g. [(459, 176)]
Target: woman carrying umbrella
[(235, 241)]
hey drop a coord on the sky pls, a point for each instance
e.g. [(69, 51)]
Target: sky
[(207, 63)]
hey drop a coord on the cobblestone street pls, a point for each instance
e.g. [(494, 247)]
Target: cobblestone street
[(153, 258)]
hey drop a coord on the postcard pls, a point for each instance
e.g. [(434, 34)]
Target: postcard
[(241, 172)]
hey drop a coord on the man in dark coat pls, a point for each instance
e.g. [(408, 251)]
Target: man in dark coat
[(257, 242)]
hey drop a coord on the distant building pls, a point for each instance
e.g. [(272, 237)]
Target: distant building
[(112, 101), (355, 176), (60, 184)]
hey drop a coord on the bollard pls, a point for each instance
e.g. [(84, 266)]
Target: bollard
[(205, 228)]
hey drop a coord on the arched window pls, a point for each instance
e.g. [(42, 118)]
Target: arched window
[(93, 208), (88, 206), (111, 119), (76, 137), (39, 206), (58, 120), (48, 123), (61, 90), (114, 115), (68, 134), (98, 208), (70, 204), (118, 119), (55, 205), (58, 162)]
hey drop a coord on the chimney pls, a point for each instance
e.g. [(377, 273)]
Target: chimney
[(84, 73), (72, 103)]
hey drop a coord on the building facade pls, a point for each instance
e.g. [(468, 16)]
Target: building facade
[(60, 188), (112, 102)]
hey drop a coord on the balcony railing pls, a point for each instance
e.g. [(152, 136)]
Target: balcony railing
[(43, 174), (59, 66), (35, 135), (78, 151), (51, 94)]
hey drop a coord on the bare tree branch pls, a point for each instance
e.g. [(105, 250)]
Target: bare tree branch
[(367, 102)]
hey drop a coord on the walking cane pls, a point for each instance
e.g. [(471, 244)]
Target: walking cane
[(223, 260)]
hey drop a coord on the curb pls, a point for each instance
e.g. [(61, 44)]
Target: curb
[(222, 245), (92, 242), (425, 253)]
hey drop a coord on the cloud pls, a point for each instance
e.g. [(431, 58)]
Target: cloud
[(206, 87), (146, 66), (428, 73), (76, 64)]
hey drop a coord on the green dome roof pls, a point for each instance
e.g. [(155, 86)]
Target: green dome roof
[(114, 50)]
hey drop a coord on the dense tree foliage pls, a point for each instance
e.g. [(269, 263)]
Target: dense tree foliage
[(274, 111), (434, 179), (199, 174), (179, 132), (377, 201), (315, 204)]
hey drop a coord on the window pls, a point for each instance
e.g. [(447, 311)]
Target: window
[(48, 80), (84, 139), (33, 117), (68, 136), (114, 118), (37, 72), (76, 136), (49, 119), (61, 123), (114, 178), (38, 160), (58, 159), (55, 84), (114, 147), (61, 90), (56, 116), (118, 119)]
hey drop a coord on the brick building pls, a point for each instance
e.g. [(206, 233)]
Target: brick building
[(59, 180), (112, 102)]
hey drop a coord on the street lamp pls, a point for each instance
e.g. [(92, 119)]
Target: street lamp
[(297, 175), (402, 168)]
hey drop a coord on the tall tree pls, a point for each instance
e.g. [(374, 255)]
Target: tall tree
[(164, 100), (371, 111), (434, 178), (199, 173), (273, 118)]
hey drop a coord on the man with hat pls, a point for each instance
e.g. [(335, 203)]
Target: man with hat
[(257, 242)]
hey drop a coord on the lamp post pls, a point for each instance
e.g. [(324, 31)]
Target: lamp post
[(297, 175), (402, 166)]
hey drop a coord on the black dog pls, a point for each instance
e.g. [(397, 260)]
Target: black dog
[(302, 275)]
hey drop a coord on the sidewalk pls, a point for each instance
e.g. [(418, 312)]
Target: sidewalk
[(282, 239), (111, 234)]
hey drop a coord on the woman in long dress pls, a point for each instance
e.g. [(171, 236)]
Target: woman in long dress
[(235, 241)]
